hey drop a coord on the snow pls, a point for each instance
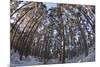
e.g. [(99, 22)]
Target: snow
[(31, 60), (90, 57), (53, 61), (82, 58), (15, 61)]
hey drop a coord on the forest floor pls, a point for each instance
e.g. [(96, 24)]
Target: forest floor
[(30, 60)]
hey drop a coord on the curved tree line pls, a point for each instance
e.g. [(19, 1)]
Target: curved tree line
[(60, 32)]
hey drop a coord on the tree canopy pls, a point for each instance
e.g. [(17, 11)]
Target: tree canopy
[(63, 31)]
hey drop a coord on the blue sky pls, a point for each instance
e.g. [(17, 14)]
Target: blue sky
[(50, 5)]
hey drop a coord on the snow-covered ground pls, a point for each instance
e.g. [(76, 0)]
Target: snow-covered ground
[(30, 60), (15, 61), (90, 57), (82, 58)]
